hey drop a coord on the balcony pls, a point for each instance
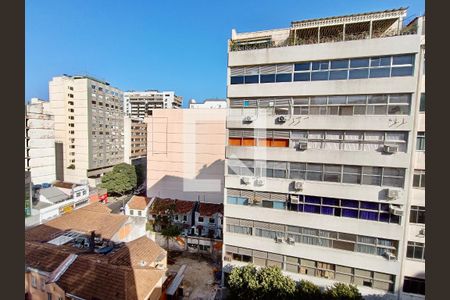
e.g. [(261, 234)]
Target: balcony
[(329, 30)]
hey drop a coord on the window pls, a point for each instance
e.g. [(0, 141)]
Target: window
[(420, 141), (184, 218), (419, 179), (139, 212), (200, 219), (414, 285), (422, 103), (417, 215), (33, 281), (416, 250), (131, 212), (212, 220), (49, 296)]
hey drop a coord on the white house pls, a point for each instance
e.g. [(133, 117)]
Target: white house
[(137, 206)]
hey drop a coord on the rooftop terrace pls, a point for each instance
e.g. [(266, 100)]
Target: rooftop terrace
[(327, 30)]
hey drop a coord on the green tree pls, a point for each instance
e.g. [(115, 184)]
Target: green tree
[(261, 284), (171, 232), (275, 285), (306, 290), (343, 291), (121, 180)]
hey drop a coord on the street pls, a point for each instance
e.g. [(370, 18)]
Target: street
[(116, 203)]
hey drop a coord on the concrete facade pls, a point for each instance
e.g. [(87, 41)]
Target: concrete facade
[(185, 154), (321, 156), (135, 139), (40, 142), (208, 104), (88, 125), (141, 104)]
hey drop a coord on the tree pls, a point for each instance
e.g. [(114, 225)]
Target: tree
[(306, 290), (171, 232), (265, 283), (121, 180), (343, 291)]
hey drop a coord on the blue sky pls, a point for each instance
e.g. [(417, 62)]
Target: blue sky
[(166, 45)]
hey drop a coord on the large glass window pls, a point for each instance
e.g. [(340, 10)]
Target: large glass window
[(415, 250), (422, 103), (414, 285), (417, 215), (419, 179), (420, 141)]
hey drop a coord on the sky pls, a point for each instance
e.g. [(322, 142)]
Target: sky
[(170, 45)]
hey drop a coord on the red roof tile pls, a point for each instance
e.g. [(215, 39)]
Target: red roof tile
[(138, 202), (209, 209)]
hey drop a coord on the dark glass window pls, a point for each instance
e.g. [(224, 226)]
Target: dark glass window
[(302, 76), (422, 102), (284, 78), (237, 79), (267, 78), (402, 71), (379, 72), (339, 64), (414, 285), (319, 75), (358, 73), (338, 75), (359, 62), (403, 59), (251, 79), (302, 66)]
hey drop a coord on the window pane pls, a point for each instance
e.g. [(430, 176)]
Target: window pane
[(319, 75), (302, 76), (402, 71), (403, 60), (359, 62), (379, 72), (358, 99), (380, 61), (358, 73), (283, 78), (267, 78), (337, 99), (339, 64), (337, 75), (422, 102), (251, 79), (400, 98), (377, 99), (320, 65), (302, 66), (398, 109), (237, 79), (318, 100)]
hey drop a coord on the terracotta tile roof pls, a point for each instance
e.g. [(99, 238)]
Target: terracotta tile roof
[(83, 220), (138, 202), (209, 209), (97, 207), (66, 185), (137, 251), (160, 205), (93, 276)]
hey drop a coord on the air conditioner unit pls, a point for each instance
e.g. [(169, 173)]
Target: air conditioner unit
[(248, 119), (245, 180), (290, 240), (389, 255), (301, 146), (278, 239), (259, 182), (393, 194), (295, 199), (396, 210), (298, 185), (422, 231), (281, 119), (389, 149)]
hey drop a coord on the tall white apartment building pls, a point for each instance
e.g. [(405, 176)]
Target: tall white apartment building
[(141, 104), (39, 142), (88, 127), (325, 163)]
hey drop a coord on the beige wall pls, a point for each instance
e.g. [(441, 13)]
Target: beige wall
[(40, 292), (185, 154)]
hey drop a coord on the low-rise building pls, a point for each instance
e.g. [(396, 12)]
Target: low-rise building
[(137, 206), (208, 219), (179, 212), (96, 268)]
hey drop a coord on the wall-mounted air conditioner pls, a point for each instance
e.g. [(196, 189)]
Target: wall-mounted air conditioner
[(390, 149), (259, 182), (278, 239), (245, 180), (422, 231), (281, 119), (295, 199), (389, 255), (298, 185), (248, 119), (393, 194), (290, 240), (301, 146), (396, 210)]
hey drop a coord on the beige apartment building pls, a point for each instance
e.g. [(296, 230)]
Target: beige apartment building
[(141, 104), (186, 153), (88, 116), (325, 160), (135, 139)]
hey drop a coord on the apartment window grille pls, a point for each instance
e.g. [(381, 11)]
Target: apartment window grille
[(342, 69), (417, 214), (415, 250), (419, 179), (420, 141), (414, 285)]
